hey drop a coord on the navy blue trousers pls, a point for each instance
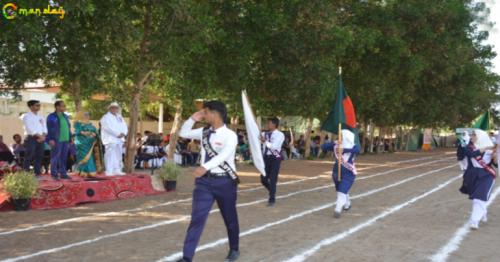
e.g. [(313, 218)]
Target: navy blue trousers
[(33, 153), (206, 191), (347, 180), (271, 179), (58, 158)]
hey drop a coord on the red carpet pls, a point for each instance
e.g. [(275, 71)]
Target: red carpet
[(69, 193)]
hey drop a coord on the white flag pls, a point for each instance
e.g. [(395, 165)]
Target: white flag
[(253, 133)]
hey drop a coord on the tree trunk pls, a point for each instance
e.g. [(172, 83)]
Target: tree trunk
[(160, 118), (76, 94), (174, 131), (307, 138), (142, 75), (132, 131), (234, 123), (321, 141), (372, 133), (365, 135)]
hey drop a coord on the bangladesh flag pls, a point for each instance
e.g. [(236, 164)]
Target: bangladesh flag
[(483, 121), (342, 112)]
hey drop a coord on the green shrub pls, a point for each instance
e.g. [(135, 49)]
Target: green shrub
[(169, 171), (21, 185)]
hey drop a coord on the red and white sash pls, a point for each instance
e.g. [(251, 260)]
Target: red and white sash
[(488, 168), (349, 166)]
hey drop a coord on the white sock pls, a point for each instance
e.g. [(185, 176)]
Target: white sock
[(341, 200), (347, 202), (478, 211)]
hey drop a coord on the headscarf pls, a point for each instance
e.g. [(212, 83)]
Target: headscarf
[(80, 117), (483, 140), (347, 139), (465, 138)]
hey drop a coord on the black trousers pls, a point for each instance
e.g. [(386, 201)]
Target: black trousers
[(271, 179), (34, 151)]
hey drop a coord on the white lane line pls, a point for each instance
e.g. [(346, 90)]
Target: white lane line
[(298, 215), (125, 212), (454, 243), (328, 241), (172, 221)]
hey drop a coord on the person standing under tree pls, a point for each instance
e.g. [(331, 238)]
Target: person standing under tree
[(272, 142), (59, 138), (113, 133), (86, 141), (216, 178), (35, 131)]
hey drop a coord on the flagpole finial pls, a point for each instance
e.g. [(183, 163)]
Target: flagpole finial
[(340, 70)]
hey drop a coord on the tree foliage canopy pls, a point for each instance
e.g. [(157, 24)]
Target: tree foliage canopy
[(415, 62)]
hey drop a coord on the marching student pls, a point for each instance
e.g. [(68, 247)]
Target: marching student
[(348, 150), (216, 178), (272, 142), (463, 143), (479, 176)]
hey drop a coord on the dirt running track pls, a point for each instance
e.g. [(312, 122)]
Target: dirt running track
[(406, 207)]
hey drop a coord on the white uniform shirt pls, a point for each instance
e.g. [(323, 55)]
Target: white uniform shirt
[(111, 127), (34, 124), (276, 142), (223, 141)]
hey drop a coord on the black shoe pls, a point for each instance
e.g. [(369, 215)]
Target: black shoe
[(347, 208), (336, 214), (232, 256), (55, 178), (271, 204)]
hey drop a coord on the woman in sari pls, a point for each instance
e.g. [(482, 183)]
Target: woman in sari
[(87, 145)]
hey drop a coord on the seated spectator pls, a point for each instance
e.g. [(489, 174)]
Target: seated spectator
[(295, 154), (18, 148), (182, 148), (194, 148), (5, 153), (152, 153), (301, 145), (244, 150), (315, 147), (285, 150)]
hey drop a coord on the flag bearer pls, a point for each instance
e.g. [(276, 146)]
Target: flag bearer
[(348, 150), (272, 142), (479, 176), (216, 178)]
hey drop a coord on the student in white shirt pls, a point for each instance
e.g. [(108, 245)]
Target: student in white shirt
[(113, 133), (272, 143), (35, 131), (216, 178)]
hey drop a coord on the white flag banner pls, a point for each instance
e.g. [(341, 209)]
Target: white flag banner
[(253, 133)]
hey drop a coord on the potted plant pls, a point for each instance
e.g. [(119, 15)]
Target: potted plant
[(168, 174), (22, 187)]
